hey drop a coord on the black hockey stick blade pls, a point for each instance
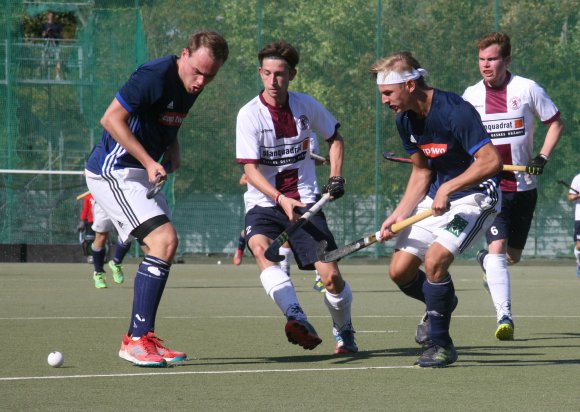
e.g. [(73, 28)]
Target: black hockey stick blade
[(568, 186), (272, 253), (157, 186), (334, 255)]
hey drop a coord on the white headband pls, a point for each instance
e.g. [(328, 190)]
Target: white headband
[(394, 77)]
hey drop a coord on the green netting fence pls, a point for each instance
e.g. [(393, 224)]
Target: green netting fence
[(51, 124)]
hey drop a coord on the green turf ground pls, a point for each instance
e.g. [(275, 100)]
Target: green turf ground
[(240, 359)]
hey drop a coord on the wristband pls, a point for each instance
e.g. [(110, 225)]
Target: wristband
[(279, 198), (543, 156)]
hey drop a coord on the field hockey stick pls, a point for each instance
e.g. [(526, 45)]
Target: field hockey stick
[(272, 253), (334, 255), (391, 156), (82, 195), (157, 186), (568, 186), (506, 168), (318, 157)]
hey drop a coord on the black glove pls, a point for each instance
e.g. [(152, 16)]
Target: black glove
[(81, 226), (335, 187), (536, 165)]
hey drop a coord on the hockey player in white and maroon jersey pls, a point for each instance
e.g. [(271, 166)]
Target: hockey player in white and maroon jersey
[(273, 143), (508, 104)]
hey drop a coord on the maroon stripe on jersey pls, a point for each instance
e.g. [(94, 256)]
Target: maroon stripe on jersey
[(508, 179), (287, 183), (496, 98), (250, 161), (552, 119), (284, 124)]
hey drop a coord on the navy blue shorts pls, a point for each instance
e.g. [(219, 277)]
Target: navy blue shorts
[(577, 231), (514, 221), (271, 221)]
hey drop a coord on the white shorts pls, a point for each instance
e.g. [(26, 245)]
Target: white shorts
[(101, 221), (467, 219), (123, 196)]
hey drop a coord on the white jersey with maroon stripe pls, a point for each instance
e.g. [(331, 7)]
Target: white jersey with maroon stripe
[(279, 141), (508, 114), (576, 186)]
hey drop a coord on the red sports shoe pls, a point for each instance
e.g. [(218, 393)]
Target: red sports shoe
[(300, 332), (141, 352), (168, 354)]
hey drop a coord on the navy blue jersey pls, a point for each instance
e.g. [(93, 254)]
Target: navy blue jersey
[(158, 103), (448, 136)]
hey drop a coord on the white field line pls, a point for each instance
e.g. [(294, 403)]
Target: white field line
[(273, 317), (230, 372)]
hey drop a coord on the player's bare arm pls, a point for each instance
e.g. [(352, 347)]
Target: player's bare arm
[(257, 179), (171, 159), (555, 131), (115, 121), (336, 155), (417, 187), (487, 164)]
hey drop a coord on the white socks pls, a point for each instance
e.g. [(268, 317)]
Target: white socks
[(498, 281), (577, 254), (339, 307), (285, 264), (280, 288)]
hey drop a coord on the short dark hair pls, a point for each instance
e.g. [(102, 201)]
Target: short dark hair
[(217, 45), (499, 38), (280, 50)]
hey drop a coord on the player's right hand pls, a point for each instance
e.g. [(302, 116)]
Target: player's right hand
[(537, 164), (289, 205), (385, 231)]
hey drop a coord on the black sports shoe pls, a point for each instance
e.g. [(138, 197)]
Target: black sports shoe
[(435, 356)]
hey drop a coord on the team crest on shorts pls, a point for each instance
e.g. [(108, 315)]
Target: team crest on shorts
[(457, 225)]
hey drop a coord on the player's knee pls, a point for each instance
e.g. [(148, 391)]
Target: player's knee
[(398, 275), (332, 280)]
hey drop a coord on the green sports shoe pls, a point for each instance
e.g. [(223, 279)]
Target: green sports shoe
[(319, 286), (99, 278), (118, 275), (505, 329)]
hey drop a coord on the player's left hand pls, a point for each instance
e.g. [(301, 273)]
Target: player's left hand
[(335, 187), (536, 165)]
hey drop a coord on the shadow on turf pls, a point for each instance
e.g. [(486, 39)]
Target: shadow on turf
[(337, 359)]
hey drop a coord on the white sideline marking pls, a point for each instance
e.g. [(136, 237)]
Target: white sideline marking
[(275, 317), (122, 375)]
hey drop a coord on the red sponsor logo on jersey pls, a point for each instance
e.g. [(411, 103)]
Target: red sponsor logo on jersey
[(433, 149), (518, 123), (172, 118)]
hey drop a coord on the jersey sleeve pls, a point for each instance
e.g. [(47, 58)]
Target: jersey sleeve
[(140, 90), (542, 105), (247, 137), (575, 184), (323, 122)]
